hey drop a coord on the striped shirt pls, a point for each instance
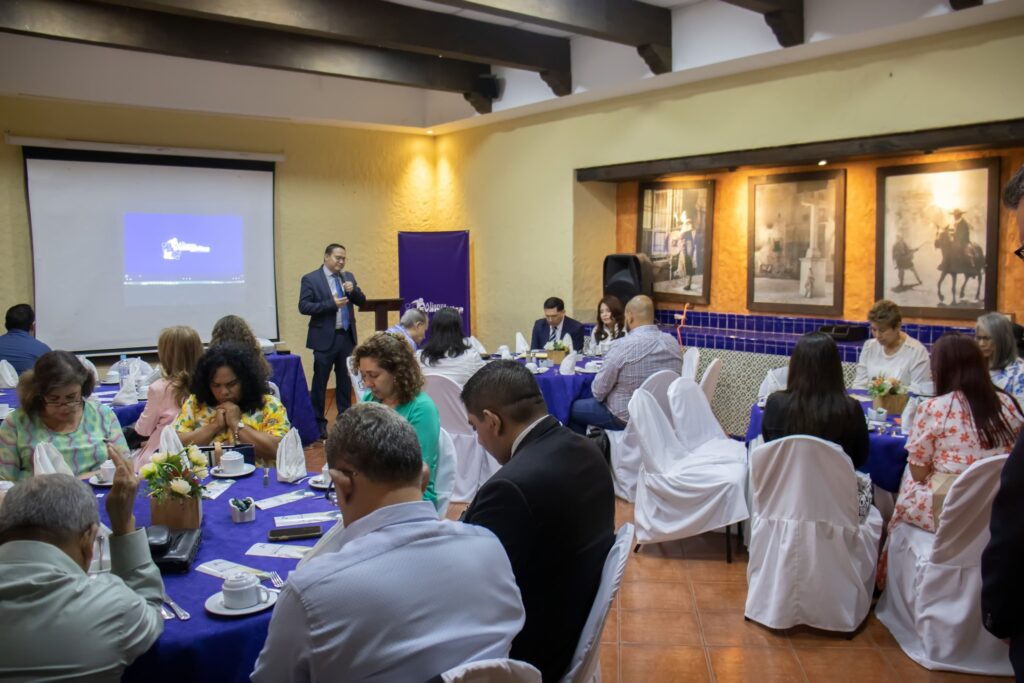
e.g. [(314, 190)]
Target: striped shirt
[(631, 360)]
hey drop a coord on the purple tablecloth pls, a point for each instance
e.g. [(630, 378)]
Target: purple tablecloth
[(887, 457), (288, 376), (561, 390), (208, 647)]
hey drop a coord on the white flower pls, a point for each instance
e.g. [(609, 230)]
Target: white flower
[(181, 487), (147, 470), (196, 458), (158, 458), (201, 472), (550, 346)]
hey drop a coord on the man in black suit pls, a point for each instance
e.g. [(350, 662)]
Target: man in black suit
[(327, 296), (551, 505), (1002, 563), (556, 324)]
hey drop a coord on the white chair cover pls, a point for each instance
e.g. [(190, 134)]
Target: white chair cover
[(932, 598), (493, 671), (8, 375), (775, 380), (473, 465), (681, 494), (475, 344), (624, 445), (274, 390), (444, 479), (709, 382), (169, 441), (691, 415), (358, 388), (691, 361), (585, 666), (811, 560), (91, 367)]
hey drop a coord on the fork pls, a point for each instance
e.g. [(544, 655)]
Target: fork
[(275, 579), (178, 611)]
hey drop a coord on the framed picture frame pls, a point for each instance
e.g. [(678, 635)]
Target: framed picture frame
[(796, 242), (937, 241), (675, 226)]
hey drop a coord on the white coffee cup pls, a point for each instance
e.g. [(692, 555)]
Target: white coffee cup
[(241, 590), (325, 476), (107, 470), (232, 462)]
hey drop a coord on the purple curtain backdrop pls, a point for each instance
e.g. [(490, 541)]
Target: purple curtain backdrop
[(433, 271)]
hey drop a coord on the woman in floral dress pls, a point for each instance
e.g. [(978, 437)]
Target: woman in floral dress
[(969, 420)]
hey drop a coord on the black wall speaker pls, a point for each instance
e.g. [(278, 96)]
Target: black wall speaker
[(626, 275)]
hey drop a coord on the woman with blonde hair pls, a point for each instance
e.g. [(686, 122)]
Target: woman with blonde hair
[(178, 348)]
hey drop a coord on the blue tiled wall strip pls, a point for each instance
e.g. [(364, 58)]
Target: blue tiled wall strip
[(776, 334)]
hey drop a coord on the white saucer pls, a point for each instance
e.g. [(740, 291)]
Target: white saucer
[(215, 605), (588, 372), (247, 469), (540, 371), (318, 483), (109, 382), (96, 481)]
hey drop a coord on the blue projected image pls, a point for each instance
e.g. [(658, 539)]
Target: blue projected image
[(183, 249)]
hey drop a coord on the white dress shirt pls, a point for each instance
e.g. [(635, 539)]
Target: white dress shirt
[(57, 623), (405, 596), (910, 364), (458, 369)]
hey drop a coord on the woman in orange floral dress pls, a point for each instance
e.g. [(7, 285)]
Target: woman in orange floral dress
[(969, 420)]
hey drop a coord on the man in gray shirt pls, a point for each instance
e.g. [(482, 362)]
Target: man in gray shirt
[(632, 359), (398, 594), (57, 623)]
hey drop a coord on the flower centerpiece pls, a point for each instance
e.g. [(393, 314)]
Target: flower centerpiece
[(176, 488), (888, 393), (556, 350)]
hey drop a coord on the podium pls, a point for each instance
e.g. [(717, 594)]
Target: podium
[(380, 309)]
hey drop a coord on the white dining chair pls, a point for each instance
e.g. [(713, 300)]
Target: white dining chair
[(624, 445), (709, 382), (691, 361), (493, 671), (444, 474), (473, 465)]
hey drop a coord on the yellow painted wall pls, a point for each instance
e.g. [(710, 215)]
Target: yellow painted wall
[(356, 187), (513, 183), (729, 249)]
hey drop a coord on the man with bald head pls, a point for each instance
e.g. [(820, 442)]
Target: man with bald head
[(641, 353)]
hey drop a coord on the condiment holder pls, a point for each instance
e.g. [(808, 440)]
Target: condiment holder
[(242, 510)]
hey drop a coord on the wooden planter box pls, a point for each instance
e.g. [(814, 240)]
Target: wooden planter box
[(893, 403), (177, 513)]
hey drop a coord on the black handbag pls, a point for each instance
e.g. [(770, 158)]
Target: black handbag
[(173, 551)]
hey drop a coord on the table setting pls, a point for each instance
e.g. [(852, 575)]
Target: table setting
[(217, 611)]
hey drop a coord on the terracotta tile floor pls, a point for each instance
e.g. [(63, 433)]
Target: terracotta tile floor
[(679, 617)]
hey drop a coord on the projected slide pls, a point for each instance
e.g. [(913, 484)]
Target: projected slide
[(183, 249)]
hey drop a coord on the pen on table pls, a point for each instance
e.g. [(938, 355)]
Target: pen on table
[(266, 476)]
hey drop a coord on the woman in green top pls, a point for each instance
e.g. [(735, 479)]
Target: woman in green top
[(391, 373), (54, 410)]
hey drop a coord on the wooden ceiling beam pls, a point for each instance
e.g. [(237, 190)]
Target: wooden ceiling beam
[(133, 29), (627, 22), (784, 17), (388, 25)]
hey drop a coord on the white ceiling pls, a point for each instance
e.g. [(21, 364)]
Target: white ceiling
[(711, 39)]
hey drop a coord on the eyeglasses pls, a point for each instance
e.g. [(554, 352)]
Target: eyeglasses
[(1019, 252), (332, 495), (61, 403), (982, 337)]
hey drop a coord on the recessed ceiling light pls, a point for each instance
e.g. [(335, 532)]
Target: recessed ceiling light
[(823, 162)]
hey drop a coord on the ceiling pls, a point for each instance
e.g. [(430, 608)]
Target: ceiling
[(421, 64)]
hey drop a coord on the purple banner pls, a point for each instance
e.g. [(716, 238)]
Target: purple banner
[(433, 271)]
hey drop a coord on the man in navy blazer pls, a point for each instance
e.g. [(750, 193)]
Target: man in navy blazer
[(556, 324), (551, 505), (327, 296)]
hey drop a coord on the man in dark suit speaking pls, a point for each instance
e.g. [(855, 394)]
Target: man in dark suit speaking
[(551, 505), (327, 296), (556, 324)]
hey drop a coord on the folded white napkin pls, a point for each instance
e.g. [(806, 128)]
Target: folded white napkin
[(568, 366), (531, 366), (567, 340), (504, 352), (169, 441), (157, 373), (291, 461), (521, 345), (475, 344), (46, 459), (90, 366), (127, 395), (593, 365), (137, 366), (8, 375)]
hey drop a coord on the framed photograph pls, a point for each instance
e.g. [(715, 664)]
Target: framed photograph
[(674, 230), (795, 242), (938, 236)]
